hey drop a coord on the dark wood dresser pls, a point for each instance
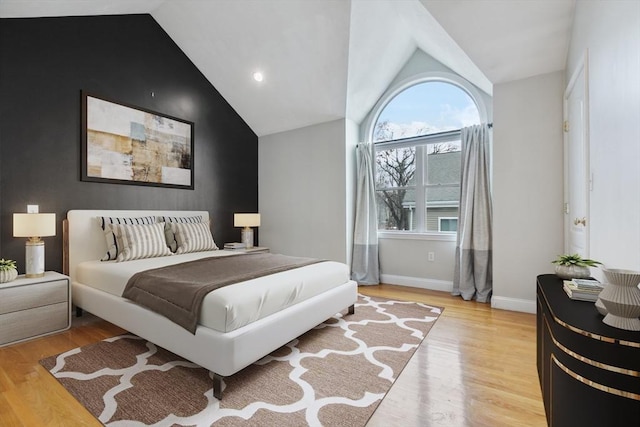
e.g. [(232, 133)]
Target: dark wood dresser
[(589, 372)]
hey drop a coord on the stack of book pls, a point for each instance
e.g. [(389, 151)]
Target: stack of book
[(583, 289), (235, 245)]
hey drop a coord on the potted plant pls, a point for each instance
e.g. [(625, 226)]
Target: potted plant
[(8, 270), (574, 266)]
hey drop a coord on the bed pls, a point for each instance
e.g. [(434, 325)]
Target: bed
[(225, 341)]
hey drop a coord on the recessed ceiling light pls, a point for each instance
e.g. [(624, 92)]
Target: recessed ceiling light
[(257, 76)]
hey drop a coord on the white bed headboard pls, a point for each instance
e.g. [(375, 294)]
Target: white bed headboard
[(86, 239)]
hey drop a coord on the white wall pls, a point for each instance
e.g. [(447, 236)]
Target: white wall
[(527, 186), (302, 193), (403, 261), (611, 33)]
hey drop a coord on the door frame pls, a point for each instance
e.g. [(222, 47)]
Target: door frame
[(581, 66)]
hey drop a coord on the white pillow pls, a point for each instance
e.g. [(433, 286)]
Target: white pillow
[(193, 237), (106, 222), (140, 241), (168, 232)]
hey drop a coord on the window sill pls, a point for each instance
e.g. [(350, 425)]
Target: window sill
[(410, 235)]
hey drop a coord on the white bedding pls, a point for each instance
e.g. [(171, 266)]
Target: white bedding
[(233, 306)]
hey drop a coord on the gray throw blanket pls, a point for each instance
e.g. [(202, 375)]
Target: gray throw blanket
[(177, 291)]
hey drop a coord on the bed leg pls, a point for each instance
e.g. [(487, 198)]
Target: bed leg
[(217, 386), (79, 312), (352, 309)]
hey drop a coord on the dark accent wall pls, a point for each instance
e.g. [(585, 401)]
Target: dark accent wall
[(46, 62)]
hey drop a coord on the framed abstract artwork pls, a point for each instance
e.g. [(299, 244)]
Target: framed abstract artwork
[(131, 145)]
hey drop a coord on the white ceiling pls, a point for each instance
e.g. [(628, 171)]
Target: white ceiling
[(509, 39), (329, 59)]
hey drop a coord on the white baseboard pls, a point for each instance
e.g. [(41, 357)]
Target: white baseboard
[(416, 282), (502, 303), (513, 304)]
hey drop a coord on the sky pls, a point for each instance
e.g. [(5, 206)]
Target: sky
[(436, 106)]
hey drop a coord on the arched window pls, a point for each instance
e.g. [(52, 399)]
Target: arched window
[(417, 141)]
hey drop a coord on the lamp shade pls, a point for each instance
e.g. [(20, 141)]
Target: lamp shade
[(246, 220), (34, 224)]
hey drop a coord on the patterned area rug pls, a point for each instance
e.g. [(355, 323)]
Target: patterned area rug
[(335, 374)]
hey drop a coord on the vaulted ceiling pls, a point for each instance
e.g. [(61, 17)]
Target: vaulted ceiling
[(328, 59)]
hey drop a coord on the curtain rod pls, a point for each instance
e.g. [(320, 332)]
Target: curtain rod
[(450, 134)]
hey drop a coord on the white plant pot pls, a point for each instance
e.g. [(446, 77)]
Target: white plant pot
[(569, 272), (8, 275)]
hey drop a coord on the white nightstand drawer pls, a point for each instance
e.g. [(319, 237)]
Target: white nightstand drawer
[(21, 325), (26, 297)]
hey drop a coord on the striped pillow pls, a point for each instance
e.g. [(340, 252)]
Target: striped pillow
[(193, 237), (168, 232), (106, 222), (140, 241)]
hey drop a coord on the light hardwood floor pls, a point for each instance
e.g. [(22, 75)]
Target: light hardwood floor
[(475, 368)]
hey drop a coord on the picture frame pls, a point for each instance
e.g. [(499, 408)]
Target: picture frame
[(125, 144)]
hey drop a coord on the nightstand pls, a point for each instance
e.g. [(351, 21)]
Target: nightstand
[(34, 307)]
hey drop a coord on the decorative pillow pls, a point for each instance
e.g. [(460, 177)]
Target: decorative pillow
[(140, 241), (193, 237), (106, 222), (168, 232)]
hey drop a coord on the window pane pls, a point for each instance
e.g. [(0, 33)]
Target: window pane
[(448, 225), (443, 163), (442, 201), (396, 209), (423, 109), (396, 167)]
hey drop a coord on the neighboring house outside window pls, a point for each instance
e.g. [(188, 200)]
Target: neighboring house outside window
[(417, 143)]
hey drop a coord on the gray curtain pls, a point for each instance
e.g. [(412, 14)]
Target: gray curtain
[(473, 275), (365, 268)]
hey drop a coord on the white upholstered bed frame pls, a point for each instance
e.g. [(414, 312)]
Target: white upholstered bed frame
[(222, 353)]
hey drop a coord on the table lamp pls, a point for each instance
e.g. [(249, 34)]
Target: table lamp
[(34, 226), (247, 220)]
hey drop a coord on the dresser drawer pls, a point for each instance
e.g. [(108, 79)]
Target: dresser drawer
[(34, 295), (20, 325)]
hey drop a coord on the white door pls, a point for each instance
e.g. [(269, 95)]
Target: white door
[(577, 173)]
